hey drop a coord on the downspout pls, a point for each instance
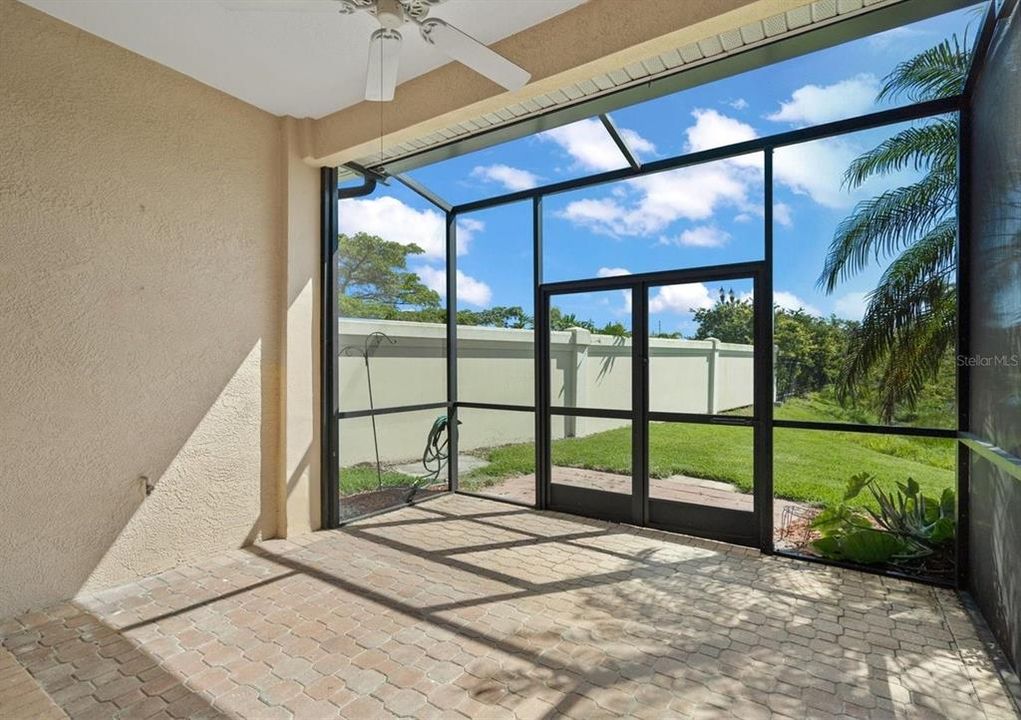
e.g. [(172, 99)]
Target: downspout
[(328, 425)]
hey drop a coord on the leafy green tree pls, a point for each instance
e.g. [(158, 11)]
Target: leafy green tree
[(810, 349), (499, 316), (373, 280), (615, 329), (729, 320), (910, 323), (558, 320)]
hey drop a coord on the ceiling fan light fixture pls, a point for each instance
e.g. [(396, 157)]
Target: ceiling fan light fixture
[(469, 51), (390, 13), (381, 74)]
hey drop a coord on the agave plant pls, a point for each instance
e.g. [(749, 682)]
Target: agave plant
[(907, 512), (908, 525)]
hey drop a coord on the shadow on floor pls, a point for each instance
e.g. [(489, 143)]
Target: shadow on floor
[(469, 606), (92, 670)]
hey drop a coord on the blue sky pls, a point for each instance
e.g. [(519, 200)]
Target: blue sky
[(704, 215)]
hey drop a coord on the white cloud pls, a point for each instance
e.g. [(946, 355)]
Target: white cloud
[(656, 201), (782, 214), (706, 236), (469, 290), (612, 272), (851, 306), (816, 169), (812, 104), (511, 178), (617, 272), (648, 204), (713, 129), (691, 193), (895, 36), (636, 143), (392, 220), (468, 227), (787, 301), (593, 212), (680, 299), (790, 301), (591, 147), (472, 291), (739, 104)]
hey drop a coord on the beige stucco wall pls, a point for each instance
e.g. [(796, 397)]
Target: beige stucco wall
[(156, 317)]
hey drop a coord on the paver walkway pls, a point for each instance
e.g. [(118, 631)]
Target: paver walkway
[(462, 607), (677, 488)]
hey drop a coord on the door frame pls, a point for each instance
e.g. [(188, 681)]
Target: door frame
[(754, 528)]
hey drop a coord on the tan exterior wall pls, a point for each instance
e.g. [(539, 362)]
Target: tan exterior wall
[(152, 316)]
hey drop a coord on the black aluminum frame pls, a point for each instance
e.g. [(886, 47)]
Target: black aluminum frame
[(738, 527), (764, 422)]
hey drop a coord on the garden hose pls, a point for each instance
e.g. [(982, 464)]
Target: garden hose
[(435, 455)]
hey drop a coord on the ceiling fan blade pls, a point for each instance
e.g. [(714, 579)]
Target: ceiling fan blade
[(469, 51), (381, 76), (285, 6)]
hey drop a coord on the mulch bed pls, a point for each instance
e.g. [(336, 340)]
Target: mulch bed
[(352, 506)]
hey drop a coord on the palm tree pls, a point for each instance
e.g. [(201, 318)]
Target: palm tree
[(910, 321)]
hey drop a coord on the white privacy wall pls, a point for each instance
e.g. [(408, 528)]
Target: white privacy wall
[(496, 365)]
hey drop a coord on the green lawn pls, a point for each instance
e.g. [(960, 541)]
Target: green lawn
[(362, 478), (811, 466)]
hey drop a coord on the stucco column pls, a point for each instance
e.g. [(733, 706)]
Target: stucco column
[(299, 503)]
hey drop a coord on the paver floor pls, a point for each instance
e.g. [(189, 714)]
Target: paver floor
[(463, 607)]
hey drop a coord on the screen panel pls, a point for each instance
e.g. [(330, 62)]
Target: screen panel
[(412, 460), (497, 453)]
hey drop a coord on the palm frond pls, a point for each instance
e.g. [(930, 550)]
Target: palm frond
[(918, 281), (911, 319), (886, 223), (917, 355), (932, 256), (933, 145), (937, 72), (881, 326), (906, 346)]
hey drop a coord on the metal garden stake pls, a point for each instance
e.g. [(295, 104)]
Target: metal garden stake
[(372, 342)]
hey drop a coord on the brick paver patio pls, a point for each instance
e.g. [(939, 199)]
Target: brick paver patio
[(463, 607)]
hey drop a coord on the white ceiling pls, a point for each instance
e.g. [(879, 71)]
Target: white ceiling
[(306, 61)]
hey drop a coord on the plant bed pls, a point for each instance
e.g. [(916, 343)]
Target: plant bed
[(363, 490), (908, 532), (363, 503)]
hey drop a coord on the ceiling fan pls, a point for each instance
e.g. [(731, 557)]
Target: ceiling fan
[(385, 43)]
